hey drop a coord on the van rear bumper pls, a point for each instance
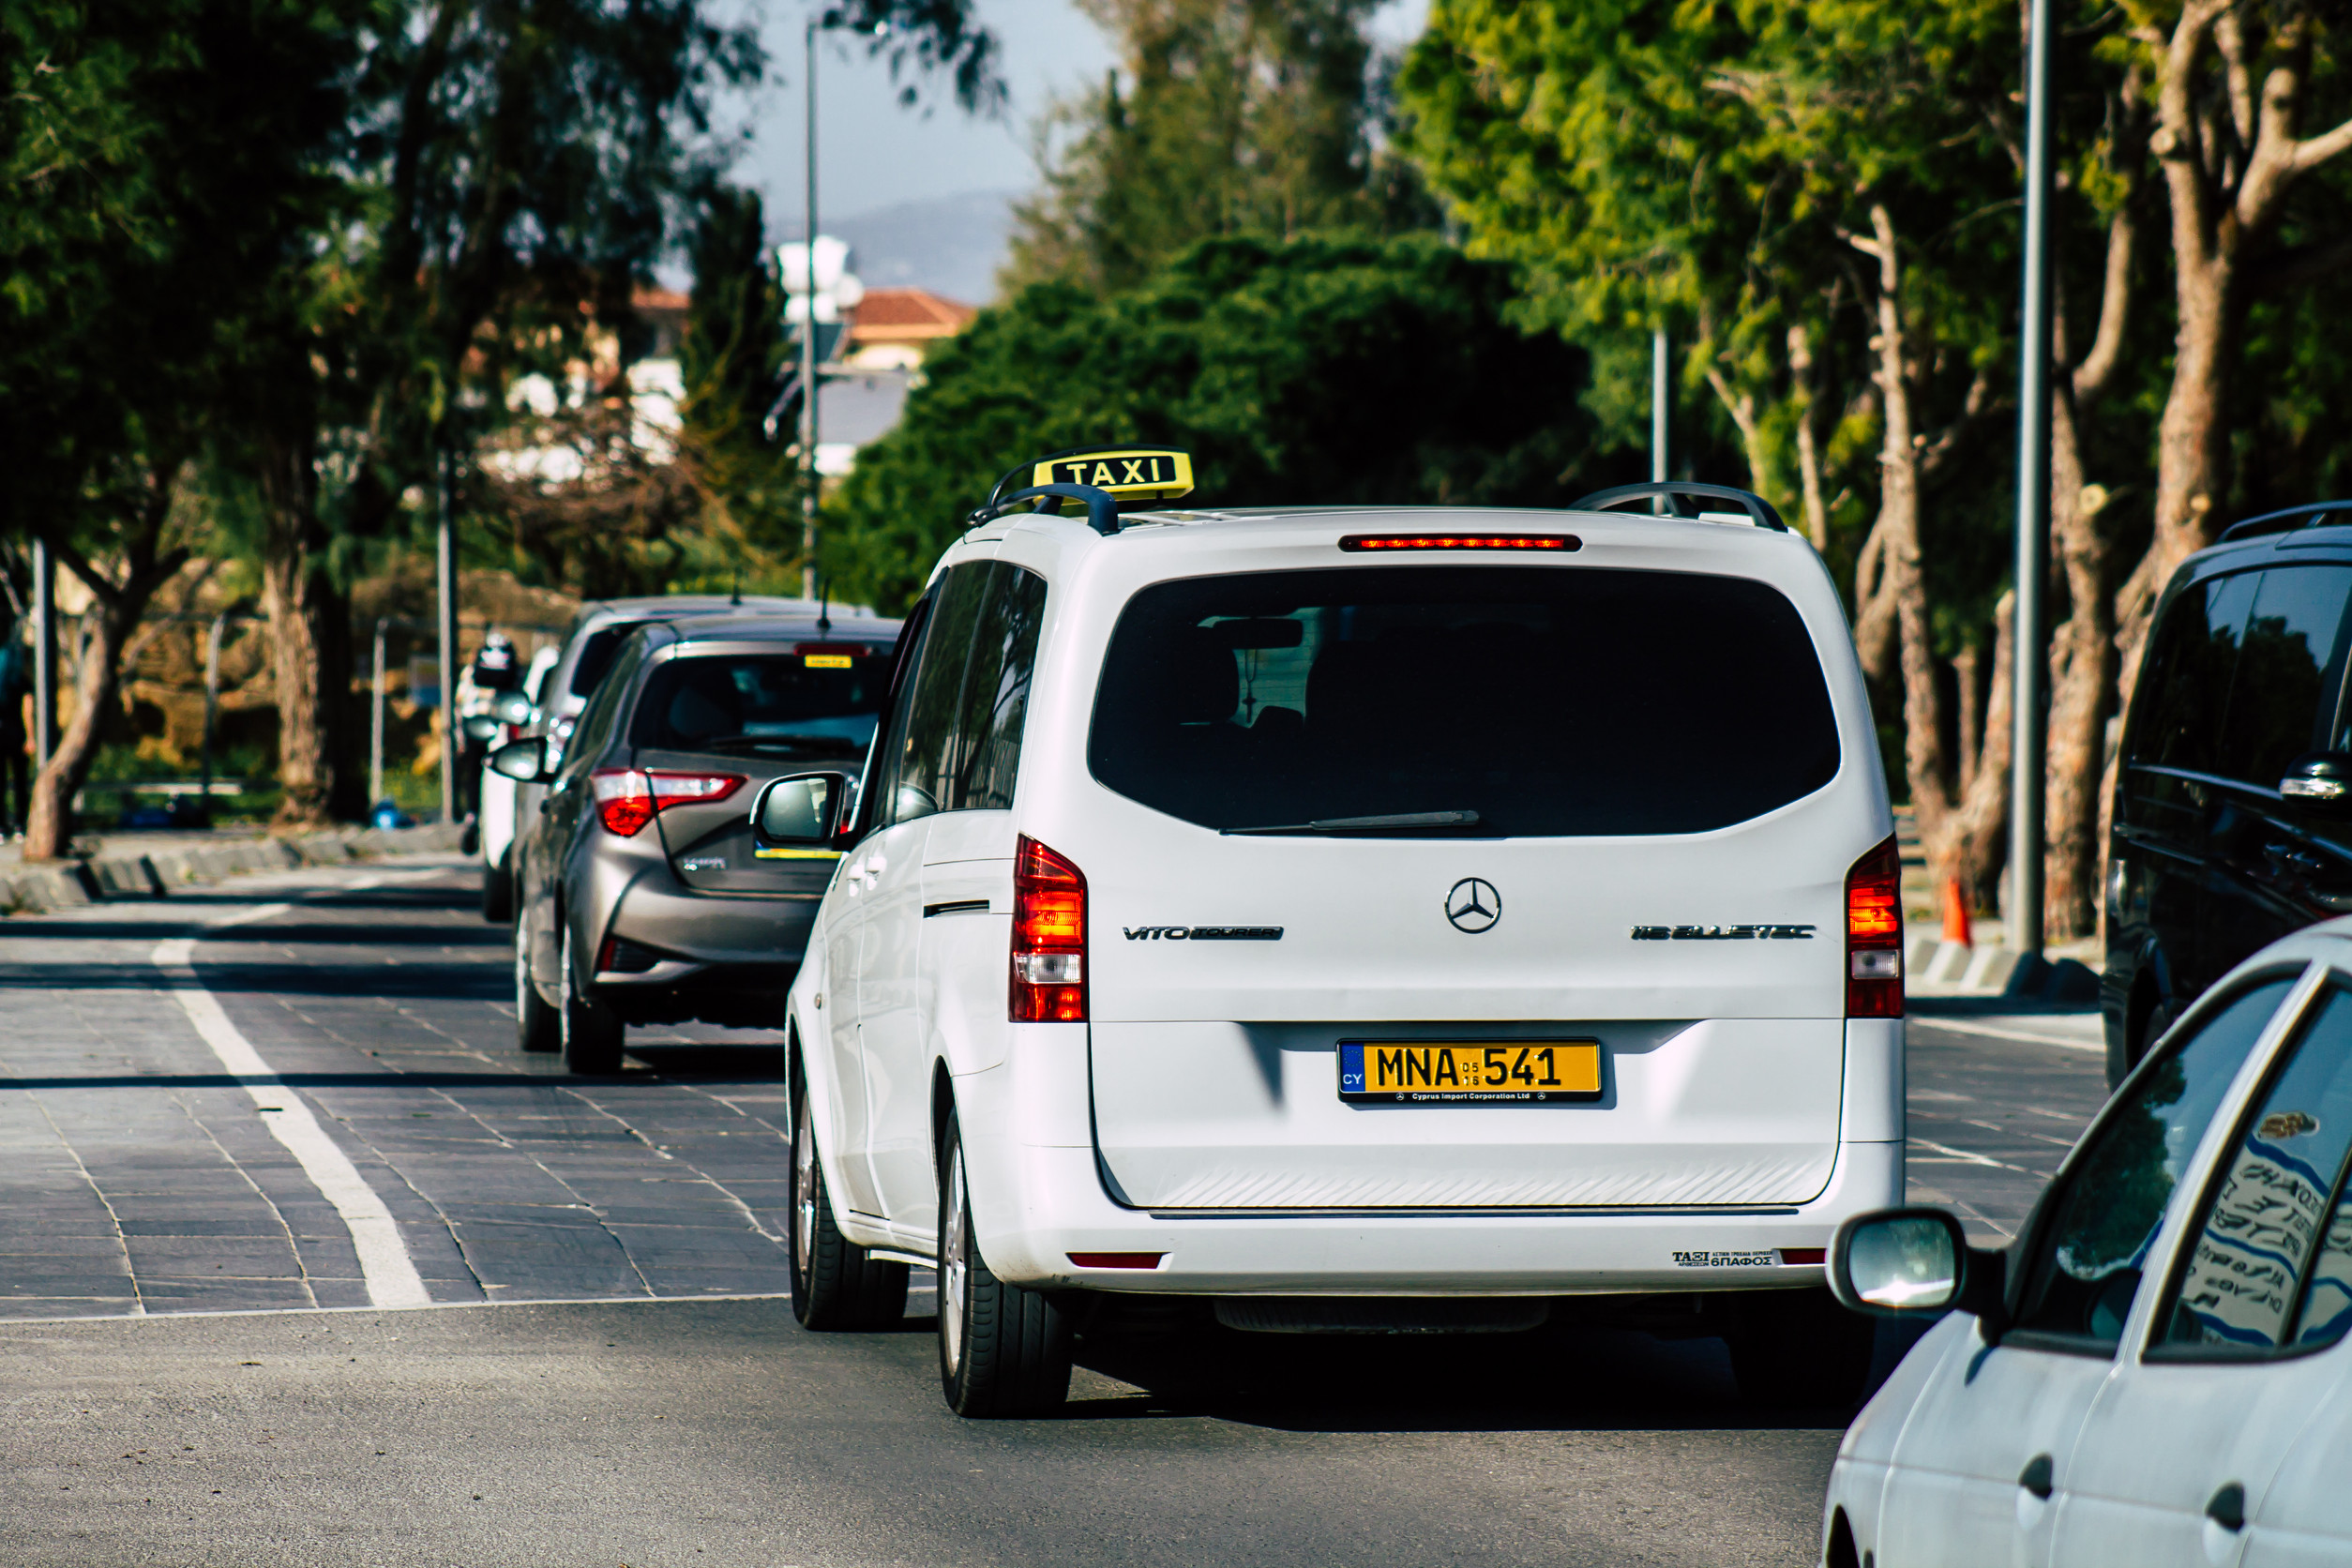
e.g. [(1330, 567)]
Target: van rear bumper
[(1034, 1206)]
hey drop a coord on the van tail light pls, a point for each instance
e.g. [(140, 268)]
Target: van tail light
[(1048, 937), (1873, 935), (628, 798)]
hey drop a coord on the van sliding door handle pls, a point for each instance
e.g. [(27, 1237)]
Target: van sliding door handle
[(2227, 1508), (2038, 1476)]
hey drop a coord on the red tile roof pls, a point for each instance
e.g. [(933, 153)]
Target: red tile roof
[(907, 316)]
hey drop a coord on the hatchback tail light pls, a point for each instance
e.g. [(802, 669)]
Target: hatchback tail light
[(1873, 935), (628, 798), (1048, 937)]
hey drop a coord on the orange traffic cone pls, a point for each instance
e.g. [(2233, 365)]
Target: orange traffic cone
[(1956, 914)]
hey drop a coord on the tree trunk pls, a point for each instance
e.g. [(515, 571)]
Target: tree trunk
[(49, 824), (302, 607), (309, 648), (2083, 667), (1808, 443)]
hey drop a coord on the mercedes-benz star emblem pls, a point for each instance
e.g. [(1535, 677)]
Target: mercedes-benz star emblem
[(1473, 905)]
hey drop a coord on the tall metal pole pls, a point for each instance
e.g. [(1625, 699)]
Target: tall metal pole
[(2033, 507), (375, 726), (44, 656), (1658, 413), (445, 551), (808, 348)]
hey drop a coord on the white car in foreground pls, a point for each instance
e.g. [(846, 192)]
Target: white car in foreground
[(2157, 1371)]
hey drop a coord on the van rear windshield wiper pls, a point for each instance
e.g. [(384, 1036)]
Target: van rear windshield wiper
[(1369, 824)]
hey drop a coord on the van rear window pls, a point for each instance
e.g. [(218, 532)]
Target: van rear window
[(1550, 701)]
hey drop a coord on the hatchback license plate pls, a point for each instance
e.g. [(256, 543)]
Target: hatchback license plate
[(1468, 1072)]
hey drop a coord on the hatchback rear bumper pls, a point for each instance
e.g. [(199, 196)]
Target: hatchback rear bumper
[(1056, 1205)]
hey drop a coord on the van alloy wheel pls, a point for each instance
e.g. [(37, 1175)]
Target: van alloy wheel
[(535, 1025), (1004, 1350), (836, 1284)]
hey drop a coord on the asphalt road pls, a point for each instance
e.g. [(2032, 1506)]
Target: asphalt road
[(598, 1370)]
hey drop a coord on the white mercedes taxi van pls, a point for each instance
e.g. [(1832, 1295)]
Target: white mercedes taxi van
[(1369, 920)]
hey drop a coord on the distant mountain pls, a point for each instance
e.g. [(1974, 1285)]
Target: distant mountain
[(951, 244)]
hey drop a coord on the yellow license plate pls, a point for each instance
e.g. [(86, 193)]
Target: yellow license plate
[(1473, 1072)]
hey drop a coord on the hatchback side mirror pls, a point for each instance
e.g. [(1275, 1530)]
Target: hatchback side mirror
[(480, 727), (511, 707), (803, 809), (526, 761), (2319, 779), (1914, 1263)]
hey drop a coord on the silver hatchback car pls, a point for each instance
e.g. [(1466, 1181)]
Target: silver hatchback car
[(642, 896)]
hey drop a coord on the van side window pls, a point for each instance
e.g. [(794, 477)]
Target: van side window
[(2283, 701), (2085, 1265), (2272, 1263), (2188, 673), (987, 752), (917, 756)]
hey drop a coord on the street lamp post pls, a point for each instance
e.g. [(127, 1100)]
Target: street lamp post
[(2033, 508), (1658, 421), (809, 342)]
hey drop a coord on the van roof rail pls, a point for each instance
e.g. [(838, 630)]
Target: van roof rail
[(1671, 491), (2319, 515)]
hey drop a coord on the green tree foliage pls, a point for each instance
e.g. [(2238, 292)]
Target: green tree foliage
[(1312, 370), (1248, 118), (159, 160)]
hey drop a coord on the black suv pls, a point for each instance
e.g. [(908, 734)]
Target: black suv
[(2233, 805)]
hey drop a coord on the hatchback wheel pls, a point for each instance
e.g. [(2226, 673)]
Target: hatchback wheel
[(836, 1284), (1003, 1350), (591, 1029), (1800, 1348), (535, 1025)]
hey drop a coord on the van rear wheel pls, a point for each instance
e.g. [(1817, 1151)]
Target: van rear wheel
[(1800, 1348), (836, 1284), (1003, 1350)]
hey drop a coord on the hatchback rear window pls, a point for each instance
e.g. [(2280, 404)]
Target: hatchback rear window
[(1549, 701), (781, 704), (595, 654)]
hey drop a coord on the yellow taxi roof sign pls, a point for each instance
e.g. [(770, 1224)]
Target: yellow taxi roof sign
[(1129, 473)]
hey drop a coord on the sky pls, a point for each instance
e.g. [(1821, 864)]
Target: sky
[(872, 154)]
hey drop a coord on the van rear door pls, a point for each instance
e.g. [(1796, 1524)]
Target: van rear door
[(1564, 847)]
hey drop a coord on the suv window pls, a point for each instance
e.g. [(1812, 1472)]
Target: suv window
[(778, 704), (2273, 1265), (2087, 1261), (2283, 701), (957, 744), (597, 721), (1551, 700), (2188, 673)]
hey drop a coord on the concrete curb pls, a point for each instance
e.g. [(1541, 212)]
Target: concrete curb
[(31, 889), (1935, 967)]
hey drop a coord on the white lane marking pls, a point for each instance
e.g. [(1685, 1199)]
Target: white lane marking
[(390, 1273), (1994, 1031), (1968, 1157)]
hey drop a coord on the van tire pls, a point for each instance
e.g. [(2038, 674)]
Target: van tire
[(836, 1284), (593, 1031), (1800, 1348), (498, 893), (536, 1027), (1003, 1350)]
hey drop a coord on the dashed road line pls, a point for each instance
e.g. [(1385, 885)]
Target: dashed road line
[(384, 1264)]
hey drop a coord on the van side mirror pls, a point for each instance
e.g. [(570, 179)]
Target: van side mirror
[(526, 761), (1914, 1263), (803, 809), (2319, 779)]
